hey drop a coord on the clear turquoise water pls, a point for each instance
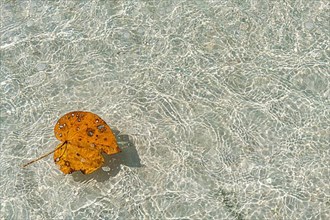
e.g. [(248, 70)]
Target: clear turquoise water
[(222, 108)]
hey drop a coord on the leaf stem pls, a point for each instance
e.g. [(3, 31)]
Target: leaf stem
[(43, 156)]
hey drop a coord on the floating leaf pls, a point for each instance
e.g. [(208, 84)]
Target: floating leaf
[(84, 137)]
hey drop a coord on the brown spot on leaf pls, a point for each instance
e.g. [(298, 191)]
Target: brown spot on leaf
[(101, 128), (90, 132)]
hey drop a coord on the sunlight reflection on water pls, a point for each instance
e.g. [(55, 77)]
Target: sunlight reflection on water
[(221, 108)]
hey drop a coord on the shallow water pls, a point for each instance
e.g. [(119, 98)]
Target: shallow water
[(221, 108)]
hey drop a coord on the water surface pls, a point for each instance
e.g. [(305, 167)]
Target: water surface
[(221, 107)]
